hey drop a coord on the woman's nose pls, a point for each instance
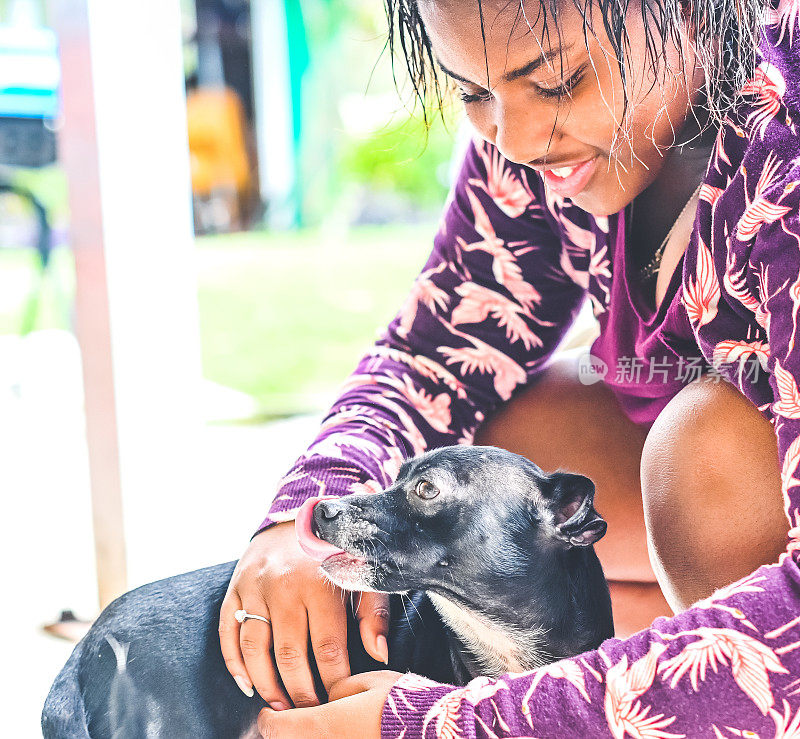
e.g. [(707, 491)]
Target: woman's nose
[(523, 133)]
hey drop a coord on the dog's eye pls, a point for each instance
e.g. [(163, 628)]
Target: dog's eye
[(426, 490)]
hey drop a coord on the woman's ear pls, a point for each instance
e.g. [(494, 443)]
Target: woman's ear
[(575, 521)]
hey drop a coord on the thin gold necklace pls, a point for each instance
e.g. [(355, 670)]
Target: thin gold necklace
[(651, 268)]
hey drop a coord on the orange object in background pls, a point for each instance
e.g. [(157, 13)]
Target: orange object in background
[(222, 175)]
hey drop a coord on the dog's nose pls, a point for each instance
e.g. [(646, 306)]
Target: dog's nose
[(327, 510)]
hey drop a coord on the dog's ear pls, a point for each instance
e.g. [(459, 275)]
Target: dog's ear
[(574, 517)]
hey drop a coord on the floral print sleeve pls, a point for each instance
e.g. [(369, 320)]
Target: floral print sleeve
[(730, 665), (725, 668), (490, 306)]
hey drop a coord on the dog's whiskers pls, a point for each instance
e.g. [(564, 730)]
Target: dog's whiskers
[(405, 612), (388, 551), (411, 603)]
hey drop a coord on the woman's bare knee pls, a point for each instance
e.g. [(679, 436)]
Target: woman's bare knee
[(711, 491)]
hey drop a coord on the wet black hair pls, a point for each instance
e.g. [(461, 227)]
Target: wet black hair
[(726, 36)]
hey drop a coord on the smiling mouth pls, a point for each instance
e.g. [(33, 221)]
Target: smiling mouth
[(564, 172), (571, 180)]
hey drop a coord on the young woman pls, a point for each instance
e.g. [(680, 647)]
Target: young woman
[(643, 156)]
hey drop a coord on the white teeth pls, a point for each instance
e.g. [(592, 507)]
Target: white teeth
[(563, 171)]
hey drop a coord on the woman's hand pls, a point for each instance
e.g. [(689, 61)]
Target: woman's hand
[(275, 579), (354, 711)]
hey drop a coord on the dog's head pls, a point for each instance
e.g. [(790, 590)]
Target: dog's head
[(456, 518)]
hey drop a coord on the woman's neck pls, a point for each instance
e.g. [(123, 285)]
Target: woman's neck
[(655, 210), (684, 165)]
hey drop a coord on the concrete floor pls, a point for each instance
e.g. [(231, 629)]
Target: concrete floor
[(46, 545)]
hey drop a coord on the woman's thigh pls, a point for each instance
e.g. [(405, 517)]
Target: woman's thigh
[(712, 492), (561, 423)]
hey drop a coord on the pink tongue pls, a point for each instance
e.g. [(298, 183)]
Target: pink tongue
[(310, 543)]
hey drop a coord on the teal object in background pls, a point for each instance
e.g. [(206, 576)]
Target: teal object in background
[(298, 64), (29, 72)]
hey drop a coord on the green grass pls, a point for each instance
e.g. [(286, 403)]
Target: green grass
[(283, 317)]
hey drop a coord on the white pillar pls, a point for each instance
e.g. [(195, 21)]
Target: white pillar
[(124, 148), (274, 117)]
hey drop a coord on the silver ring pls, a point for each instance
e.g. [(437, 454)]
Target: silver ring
[(241, 616)]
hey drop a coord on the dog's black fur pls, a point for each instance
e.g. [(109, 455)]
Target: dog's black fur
[(490, 561)]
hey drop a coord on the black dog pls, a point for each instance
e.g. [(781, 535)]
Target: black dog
[(490, 561)]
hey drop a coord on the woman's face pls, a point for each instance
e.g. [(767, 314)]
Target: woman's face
[(584, 144)]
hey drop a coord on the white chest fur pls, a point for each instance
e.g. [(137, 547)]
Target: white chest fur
[(498, 650)]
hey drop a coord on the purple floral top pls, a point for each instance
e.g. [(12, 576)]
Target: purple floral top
[(510, 268)]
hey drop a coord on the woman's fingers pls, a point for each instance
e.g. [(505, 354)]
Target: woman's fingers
[(354, 684), (354, 711), (229, 642), (274, 657), (354, 717), (302, 722), (327, 625), (372, 613), (255, 641), (290, 646)]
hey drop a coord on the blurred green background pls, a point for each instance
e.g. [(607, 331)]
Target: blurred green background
[(285, 315)]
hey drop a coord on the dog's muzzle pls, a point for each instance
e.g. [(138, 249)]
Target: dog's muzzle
[(318, 549)]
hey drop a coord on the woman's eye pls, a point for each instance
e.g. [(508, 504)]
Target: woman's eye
[(561, 90), (565, 88), (426, 490), (474, 97)]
